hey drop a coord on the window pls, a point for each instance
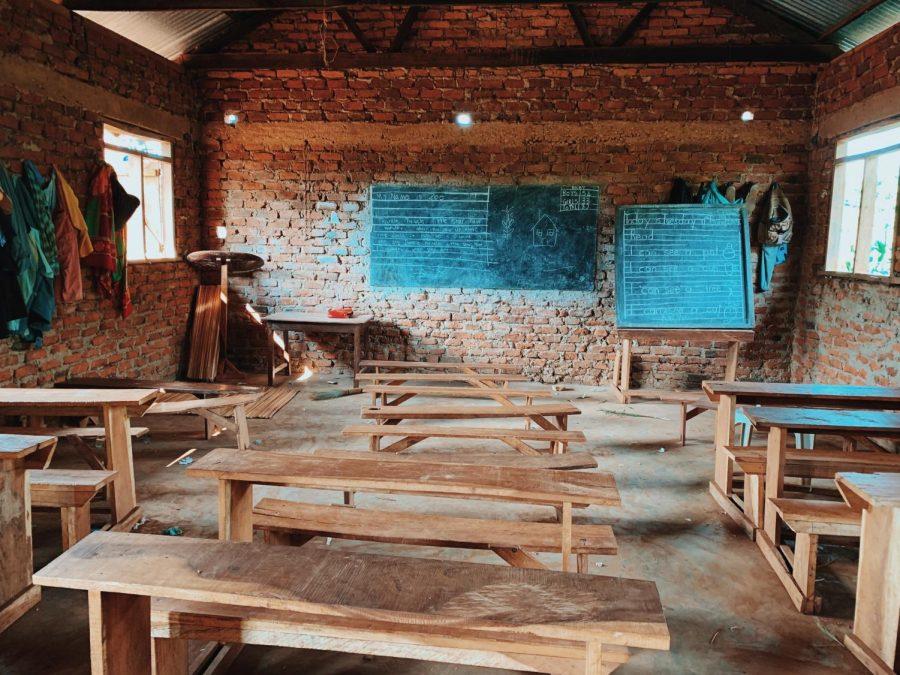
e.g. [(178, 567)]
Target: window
[(143, 165), (864, 210)]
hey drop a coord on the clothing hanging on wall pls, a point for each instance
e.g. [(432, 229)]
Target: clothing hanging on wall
[(72, 240), (43, 197), (108, 211), (12, 305)]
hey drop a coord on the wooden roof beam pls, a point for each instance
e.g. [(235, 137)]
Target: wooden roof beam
[(781, 53), (354, 28), (406, 28), (766, 19), (580, 24), (636, 22), (849, 18)]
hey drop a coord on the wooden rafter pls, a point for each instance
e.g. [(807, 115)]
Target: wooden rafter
[(798, 53), (242, 24), (354, 28), (636, 22), (850, 17), (269, 5), (406, 28), (581, 24)]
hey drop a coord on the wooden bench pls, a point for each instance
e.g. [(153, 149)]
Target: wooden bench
[(222, 406), (431, 609), (462, 377), (690, 403), (70, 491), (809, 519), (402, 393), (568, 461), (411, 434), (288, 522), (79, 437), (238, 472), (538, 414)]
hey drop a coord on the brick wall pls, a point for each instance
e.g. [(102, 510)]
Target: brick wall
[(311, 142), (48, 127), (847, 329)]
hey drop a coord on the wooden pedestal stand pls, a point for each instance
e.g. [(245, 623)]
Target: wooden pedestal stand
[(621, 380)]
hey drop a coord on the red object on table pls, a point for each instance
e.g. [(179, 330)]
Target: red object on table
[(341, 313)]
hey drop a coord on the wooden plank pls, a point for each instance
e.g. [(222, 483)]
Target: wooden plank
[(66, 487), (183, 386), (423, 431), (369, 475), (490, 597), (814, 463), (354, 28), (119, 458), (119, 627), (814, 394), (70, 432), (205, 341), (464, 412), (869, 422), (440, 365), (177, 407), (442, 377), (636, 22), (74, 398), (271, 401), (569, 460), (581, 24), (397, 527), (16, 446), (406, 28), (873, 490), (456, 392), (687, 334), (314, 319), (815, 511)]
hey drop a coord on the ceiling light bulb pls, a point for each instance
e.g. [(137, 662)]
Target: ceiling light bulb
[(747, 116), (231, 119), (464, 119)]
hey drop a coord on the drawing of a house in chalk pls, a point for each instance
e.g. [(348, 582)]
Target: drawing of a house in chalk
[(544, 232)]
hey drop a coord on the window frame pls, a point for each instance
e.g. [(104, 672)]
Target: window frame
[(170, 160), (894, 276)]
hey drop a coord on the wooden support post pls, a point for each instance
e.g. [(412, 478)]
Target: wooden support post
[(724, 469), (170, 656), (76, 524), (582, 563), (754, 499), (592, 659), (122, 497), (235, 510), (775, 459), (241, 431), (731, 361), (804, 564), (566, 535), (120, 633)]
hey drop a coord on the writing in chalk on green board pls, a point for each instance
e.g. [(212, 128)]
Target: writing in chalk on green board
[(516, 237)]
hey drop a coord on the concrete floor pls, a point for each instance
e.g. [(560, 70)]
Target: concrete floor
[(726, 610)]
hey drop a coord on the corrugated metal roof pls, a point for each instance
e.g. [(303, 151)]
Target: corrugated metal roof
[(173, 33), (169, 34)]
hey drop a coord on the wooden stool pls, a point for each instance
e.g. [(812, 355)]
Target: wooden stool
[(71, 491)]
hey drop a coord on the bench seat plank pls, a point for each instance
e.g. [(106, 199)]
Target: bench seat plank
[(535, 486), (465, 412), (813, 463), (582, 607), (813, 511), (397, 527), (455, 392), (66, 487), (69, 432), (429, 431), (442, 377), (203, 388), (439, 365), (569, 460)]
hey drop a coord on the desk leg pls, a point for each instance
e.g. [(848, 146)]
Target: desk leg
[(235, 511), (17, 595), (270, 357), (775, 458), (120, 633), (287, 353), (566, 521), (357, 350), (119, 458), (876, 620), (724, 472)]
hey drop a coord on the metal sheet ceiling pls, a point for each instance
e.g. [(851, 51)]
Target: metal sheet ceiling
[(173, 33), (169, 34)]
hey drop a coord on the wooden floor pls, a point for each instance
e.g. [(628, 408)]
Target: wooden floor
[(725, 608)]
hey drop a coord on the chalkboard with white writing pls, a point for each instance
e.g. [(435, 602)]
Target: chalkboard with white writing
[(683, 266), (517, 237)]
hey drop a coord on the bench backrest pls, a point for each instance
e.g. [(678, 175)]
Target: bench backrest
[(536, 486), (572, 606)]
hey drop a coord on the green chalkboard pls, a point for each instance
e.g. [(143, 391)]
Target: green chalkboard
[(683, 266), (522, 237)]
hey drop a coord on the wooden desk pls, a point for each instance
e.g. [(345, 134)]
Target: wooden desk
[(299, 322), (728, 395), (112, 405), (122, 572), (779, 422), (201, 389), (876, 620), (238, 472), (17, 595), (378, 366)]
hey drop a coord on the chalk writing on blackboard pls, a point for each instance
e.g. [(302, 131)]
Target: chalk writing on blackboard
[(682, 267), (484, 237)]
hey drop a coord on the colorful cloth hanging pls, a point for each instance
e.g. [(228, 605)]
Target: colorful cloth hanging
[(72, 240), (107, 213), (43, 196)]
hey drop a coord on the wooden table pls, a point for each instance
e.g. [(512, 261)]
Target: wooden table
[(122, 572), (17, 595), (876, 620), (112, 405), (201, 389), (728, 395), (300, 322)]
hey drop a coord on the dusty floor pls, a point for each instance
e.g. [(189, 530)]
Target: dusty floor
[(726, 610)]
